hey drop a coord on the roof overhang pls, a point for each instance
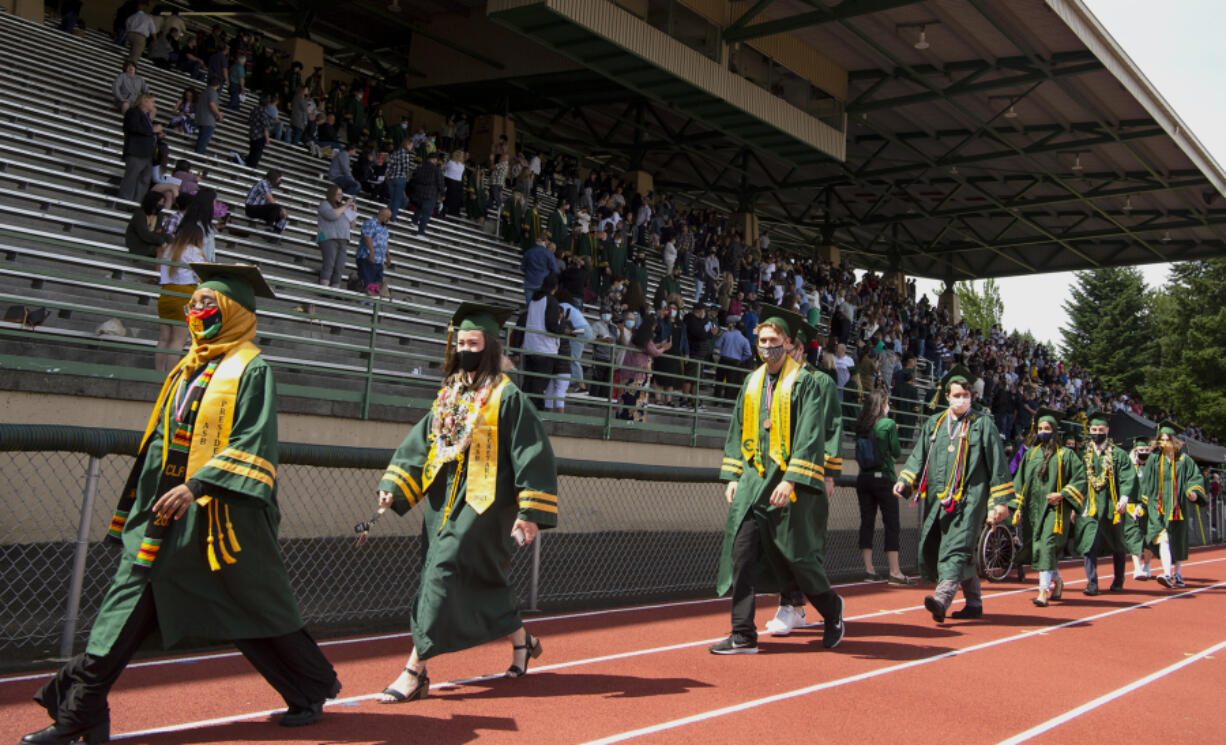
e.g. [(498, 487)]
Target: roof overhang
[(628, 51)]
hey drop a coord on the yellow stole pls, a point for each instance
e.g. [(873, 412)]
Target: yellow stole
[(210, 436), (482, 458), (780, 416), (1017, 516)]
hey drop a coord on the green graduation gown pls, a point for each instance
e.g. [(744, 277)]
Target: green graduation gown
[(512, 218), (474, 194), (1098, 516), (906, 406), (530, 228), (665, 287), (559, 232), (248, 599), (636, 273), (465, 598), (948, 538), (1045, 528), (615, 254), (793, 546), (1165, 488)]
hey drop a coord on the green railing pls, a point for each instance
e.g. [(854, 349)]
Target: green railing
[(367, 366)]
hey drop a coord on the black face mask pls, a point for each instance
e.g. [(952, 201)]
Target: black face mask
[(469, 360), (1099, 438)]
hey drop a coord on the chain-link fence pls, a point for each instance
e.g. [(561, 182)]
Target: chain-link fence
[(627, 533)]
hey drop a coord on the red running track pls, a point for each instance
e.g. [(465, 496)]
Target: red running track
[(1107, 668)]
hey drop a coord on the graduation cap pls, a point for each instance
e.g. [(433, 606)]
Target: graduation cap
[(1098, 418), (789, 321), (1141, 441), (480, 317), (1168, 426), (1052, 416), (956, 374), (242, 283)]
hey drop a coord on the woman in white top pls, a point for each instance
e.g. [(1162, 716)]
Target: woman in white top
[(193, 241), (453, 179)]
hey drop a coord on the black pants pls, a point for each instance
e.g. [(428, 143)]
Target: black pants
[(731, 379), (534, 385), (873, 493), (292, 664), (746, 547), (269, 213), (255, 152), (1091, 564)]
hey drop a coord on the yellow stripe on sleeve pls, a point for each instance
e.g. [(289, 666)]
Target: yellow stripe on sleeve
[(539, 496), (412, 485), (532, 504), (244, 471), (250, 459)]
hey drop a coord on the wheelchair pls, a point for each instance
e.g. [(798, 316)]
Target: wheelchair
[(997, 552)]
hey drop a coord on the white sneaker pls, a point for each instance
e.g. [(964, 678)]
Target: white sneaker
[(786, 618)]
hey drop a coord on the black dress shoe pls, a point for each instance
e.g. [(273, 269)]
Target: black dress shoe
[(93, 734), (1116, 587), (300, 717), (970, 611), (935, 608)]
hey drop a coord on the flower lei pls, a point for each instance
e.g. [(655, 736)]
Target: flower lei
[(455, 412), (1097, 482)]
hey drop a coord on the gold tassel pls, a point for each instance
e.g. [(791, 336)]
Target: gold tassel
[(1059, 527), (221, 538), (233, 536), (448, 351), (211, 552)]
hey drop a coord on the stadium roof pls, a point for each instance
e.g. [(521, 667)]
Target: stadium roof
[(983, 137)]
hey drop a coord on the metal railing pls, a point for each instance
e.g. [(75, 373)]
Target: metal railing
[(626, 533)]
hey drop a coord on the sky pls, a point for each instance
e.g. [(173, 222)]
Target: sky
[(1177, 44)]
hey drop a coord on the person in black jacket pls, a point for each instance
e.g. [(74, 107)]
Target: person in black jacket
[(139, 141), (144, 236), (424, 188)]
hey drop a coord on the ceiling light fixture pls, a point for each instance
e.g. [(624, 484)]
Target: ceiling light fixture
[(953, 170), (1010, 114), (1166, 237), (1127, 205), (922, 44), (1077, 163)]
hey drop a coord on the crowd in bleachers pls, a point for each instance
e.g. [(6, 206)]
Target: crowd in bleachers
[(590, 255)]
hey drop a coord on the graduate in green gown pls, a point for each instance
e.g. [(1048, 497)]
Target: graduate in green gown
[(774, 464), (530, 228), (1170, 485), (512, 218), (481, 466), (791, 611), (559, 227), (956, 466), (1137, 515), (1111, 484), (474, 193), (197, 523), (1048, 491)]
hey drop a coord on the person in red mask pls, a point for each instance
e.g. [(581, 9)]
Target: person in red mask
[(197, 522)]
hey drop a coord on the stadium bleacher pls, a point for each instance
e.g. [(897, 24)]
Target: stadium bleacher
[(60, 143)]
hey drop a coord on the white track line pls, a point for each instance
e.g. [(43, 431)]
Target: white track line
[(715, 713), (406, 634), (587, 661), (1109, 697)]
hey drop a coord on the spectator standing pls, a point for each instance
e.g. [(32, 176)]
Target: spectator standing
[(635, 368), (453, 183), (238, 81), (604, 332), (127, 87), (543, 314), (843, 364), (877, 449), (371, 256), (397, 176), (734, 357), (298, 114), (70, 10), (261, 205), (140, 29), (340, 172), (424, 188), (208, 114), (258, 133), (336, 217), (538, 264), (581, 333), (498, 179), (139, 142), (192, 243)]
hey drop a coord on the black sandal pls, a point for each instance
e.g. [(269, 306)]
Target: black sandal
[(533, 645), (421, 691)]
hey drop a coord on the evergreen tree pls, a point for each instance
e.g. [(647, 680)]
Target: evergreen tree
[(1187, 376), (1109, 333), (981, 309)]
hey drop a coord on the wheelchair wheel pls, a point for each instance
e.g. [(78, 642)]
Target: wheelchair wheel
[(996, 552)]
